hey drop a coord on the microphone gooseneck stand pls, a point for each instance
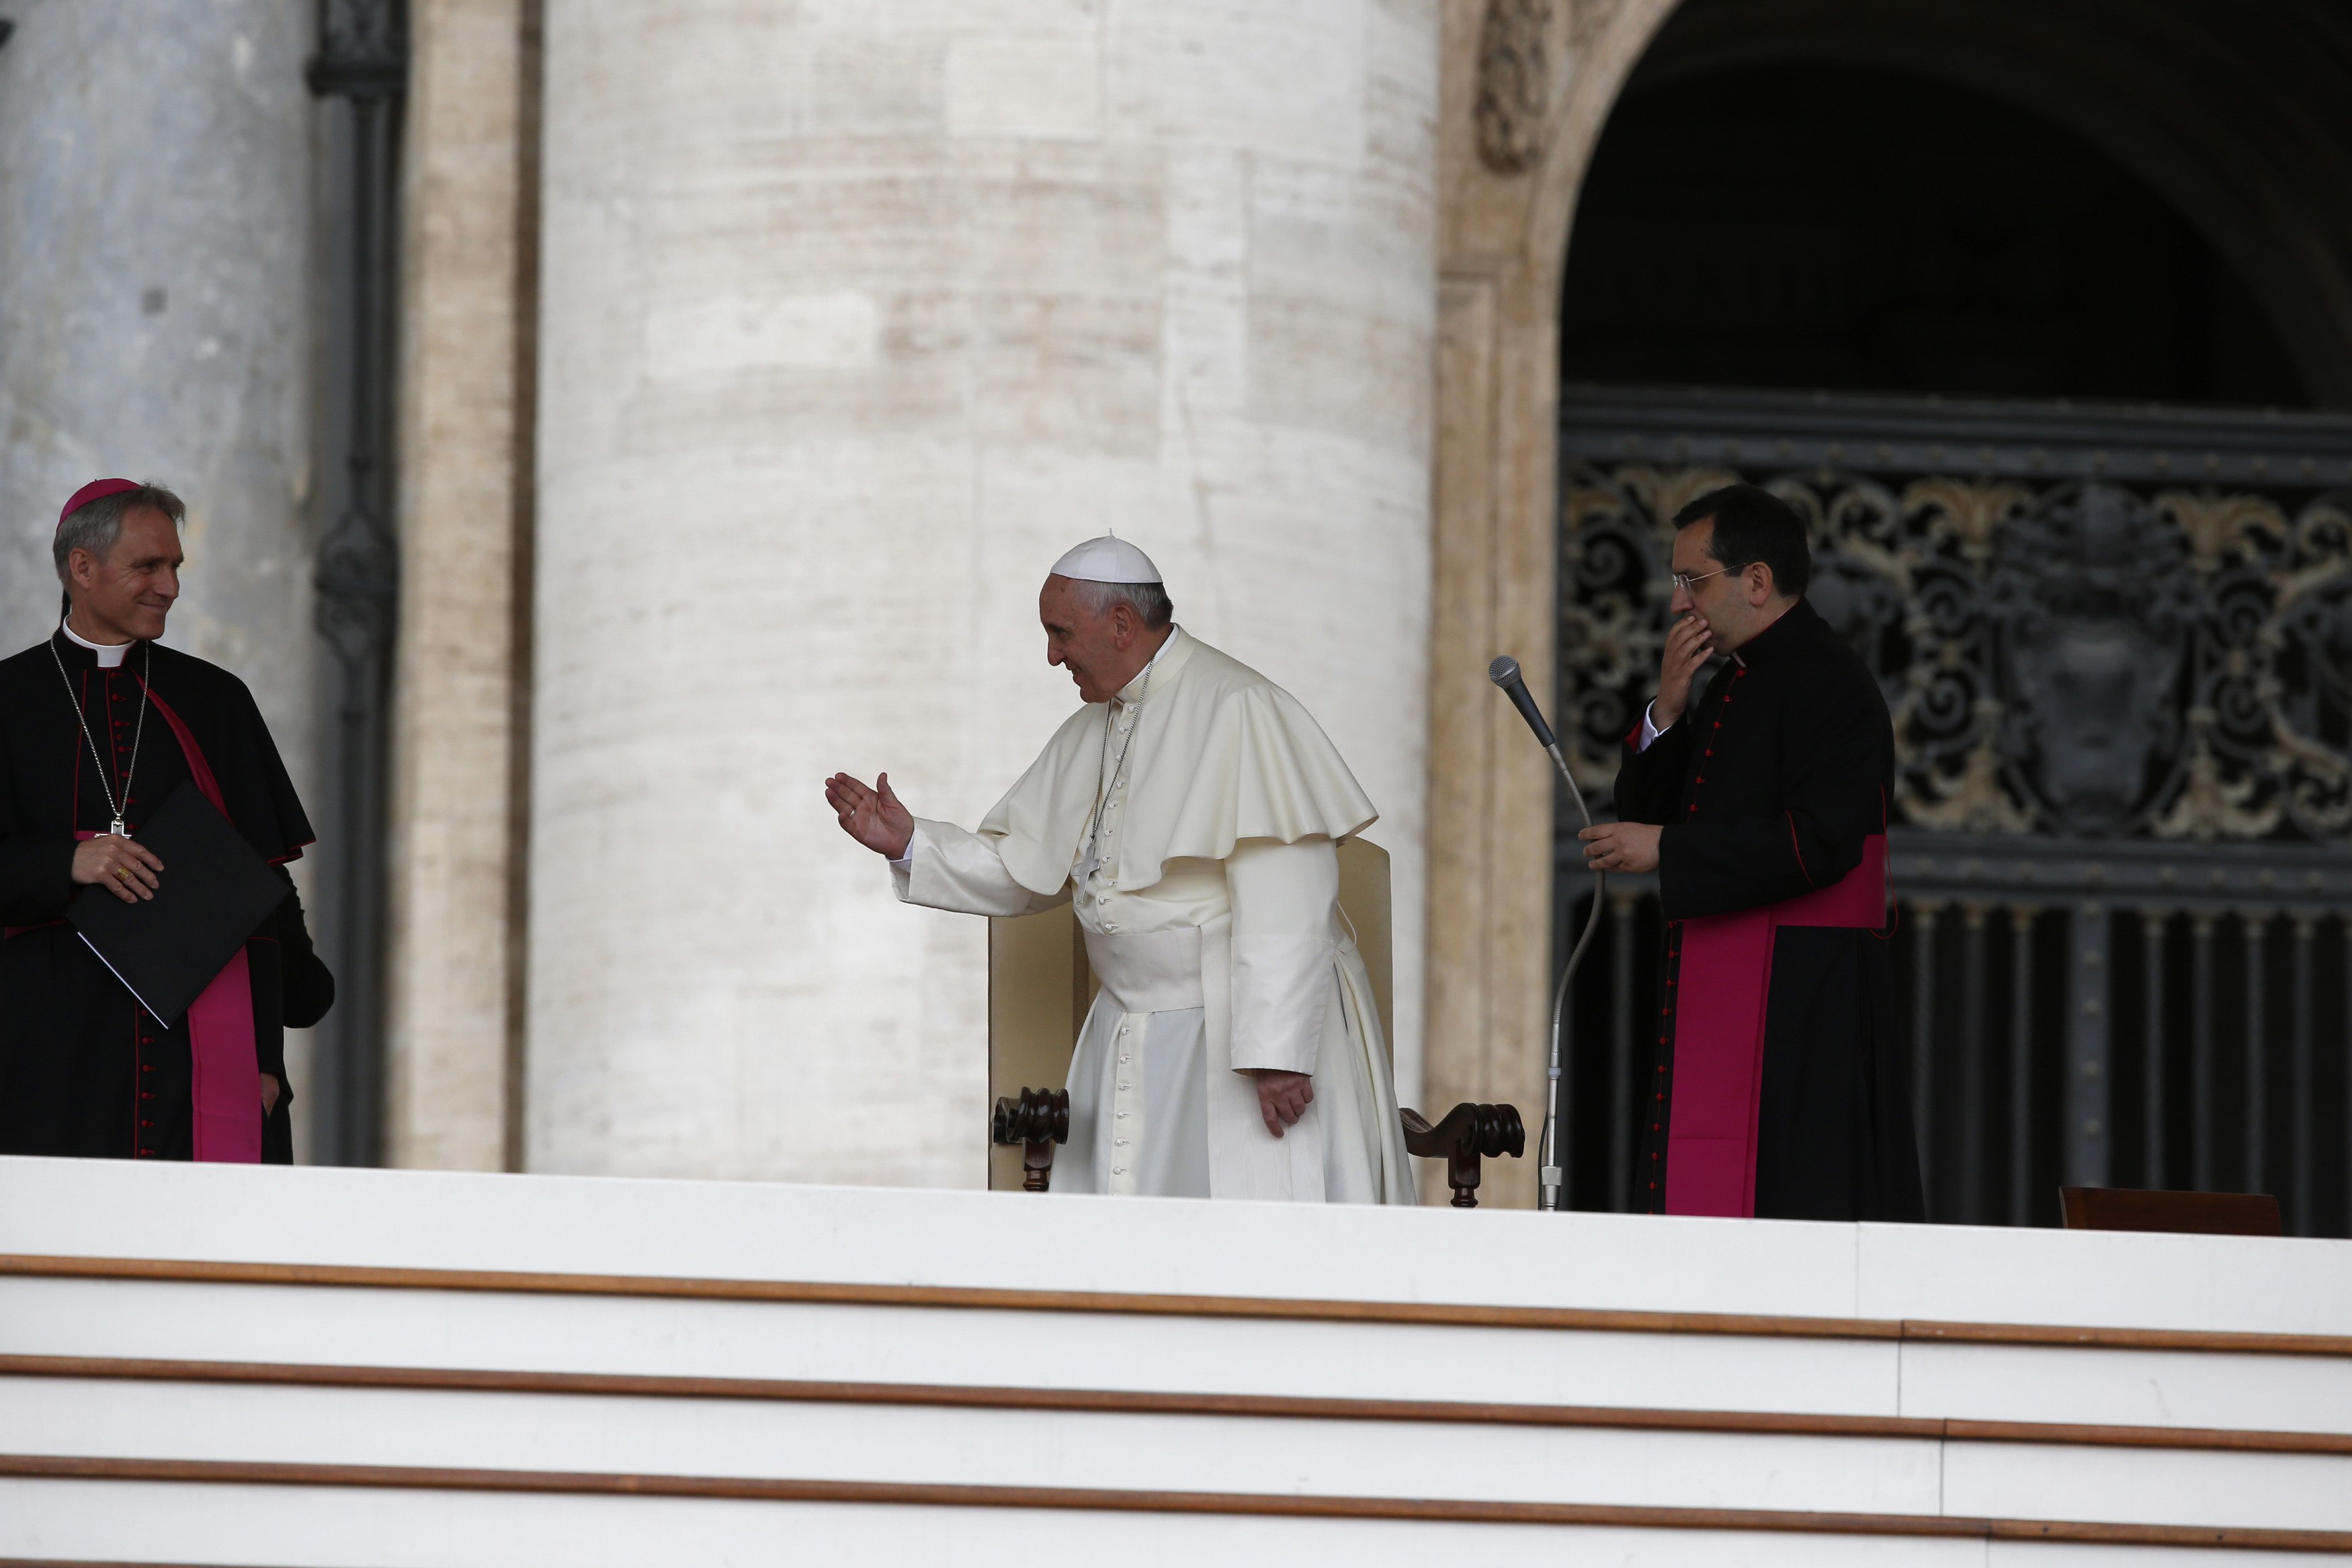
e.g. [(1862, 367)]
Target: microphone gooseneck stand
[(1552, 1190)]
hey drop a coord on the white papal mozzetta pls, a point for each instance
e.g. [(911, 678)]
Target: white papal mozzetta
[(1194, 818)]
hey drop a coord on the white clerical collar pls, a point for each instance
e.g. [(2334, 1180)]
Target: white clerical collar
[(109, 654), (1134, 688)]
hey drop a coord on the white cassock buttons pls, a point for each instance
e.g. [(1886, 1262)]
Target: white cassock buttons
[(1130, 1110)]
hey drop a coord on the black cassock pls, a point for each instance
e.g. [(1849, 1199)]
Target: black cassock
[(1767, 789), (84, 1070)]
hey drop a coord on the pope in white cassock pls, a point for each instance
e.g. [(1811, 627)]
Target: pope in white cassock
[(1193, 810)]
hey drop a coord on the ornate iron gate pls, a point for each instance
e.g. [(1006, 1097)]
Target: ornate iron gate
[(2118, 646)]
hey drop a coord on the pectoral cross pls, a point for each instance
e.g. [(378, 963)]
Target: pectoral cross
[(117, 829)]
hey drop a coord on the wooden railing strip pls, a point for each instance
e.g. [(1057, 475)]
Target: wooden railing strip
[(1159, 1304), (2228, 1342), (1141, 1402), (982, 1298), (926, 1494)]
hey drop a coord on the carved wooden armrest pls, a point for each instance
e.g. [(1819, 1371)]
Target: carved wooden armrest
[(1469, 1132), (1038, 1120)]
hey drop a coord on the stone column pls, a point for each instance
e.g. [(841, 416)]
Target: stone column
[(156, 321), (853, 316), (456, 846)]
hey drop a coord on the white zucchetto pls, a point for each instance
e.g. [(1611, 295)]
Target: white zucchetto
[(1107, 560)]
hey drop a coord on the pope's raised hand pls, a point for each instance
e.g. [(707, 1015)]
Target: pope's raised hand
[(873, 817)]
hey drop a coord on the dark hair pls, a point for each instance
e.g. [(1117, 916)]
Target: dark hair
[(1754, 524)]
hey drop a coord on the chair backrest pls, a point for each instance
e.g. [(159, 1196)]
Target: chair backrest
[(2203, 1213), (1039, 988)]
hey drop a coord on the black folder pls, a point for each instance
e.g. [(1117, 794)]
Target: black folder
[(213, 894)]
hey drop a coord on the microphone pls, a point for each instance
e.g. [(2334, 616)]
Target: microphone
[(1552, 1158), (1504, 672)]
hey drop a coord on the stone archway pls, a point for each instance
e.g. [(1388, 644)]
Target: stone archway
[(1550, 75), (2218, 109)]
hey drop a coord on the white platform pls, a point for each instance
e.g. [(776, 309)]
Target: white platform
[(497, 1370)]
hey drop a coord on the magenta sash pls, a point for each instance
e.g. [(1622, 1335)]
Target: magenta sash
[(225, 1091), (1724, 985)]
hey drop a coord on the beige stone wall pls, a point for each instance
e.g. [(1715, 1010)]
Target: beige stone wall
[(1504, 246), (853, 316), (466, 315)]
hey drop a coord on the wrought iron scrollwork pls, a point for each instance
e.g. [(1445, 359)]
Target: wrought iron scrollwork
[(2118, 646), (2080, 658)]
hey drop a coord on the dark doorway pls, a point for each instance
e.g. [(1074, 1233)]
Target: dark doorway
[(1867, 230)]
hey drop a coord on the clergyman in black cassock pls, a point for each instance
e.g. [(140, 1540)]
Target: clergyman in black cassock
[(84, 1070), (1767, 789)]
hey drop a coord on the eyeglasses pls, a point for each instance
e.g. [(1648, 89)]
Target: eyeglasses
[(1685, 582)]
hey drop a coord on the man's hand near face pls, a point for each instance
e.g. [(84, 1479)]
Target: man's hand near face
[(1689, 644)]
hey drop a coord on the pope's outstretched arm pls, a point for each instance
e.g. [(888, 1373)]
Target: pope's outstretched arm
[(937, 865)]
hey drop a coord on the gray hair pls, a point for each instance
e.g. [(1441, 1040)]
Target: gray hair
[(97, 525), (1149, 600)]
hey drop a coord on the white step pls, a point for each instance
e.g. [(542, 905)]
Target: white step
[(532, 1369)]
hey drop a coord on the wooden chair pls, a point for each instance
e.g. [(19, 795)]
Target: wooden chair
[(1034, 1122), (1468, 1134), (2201, 1213)]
